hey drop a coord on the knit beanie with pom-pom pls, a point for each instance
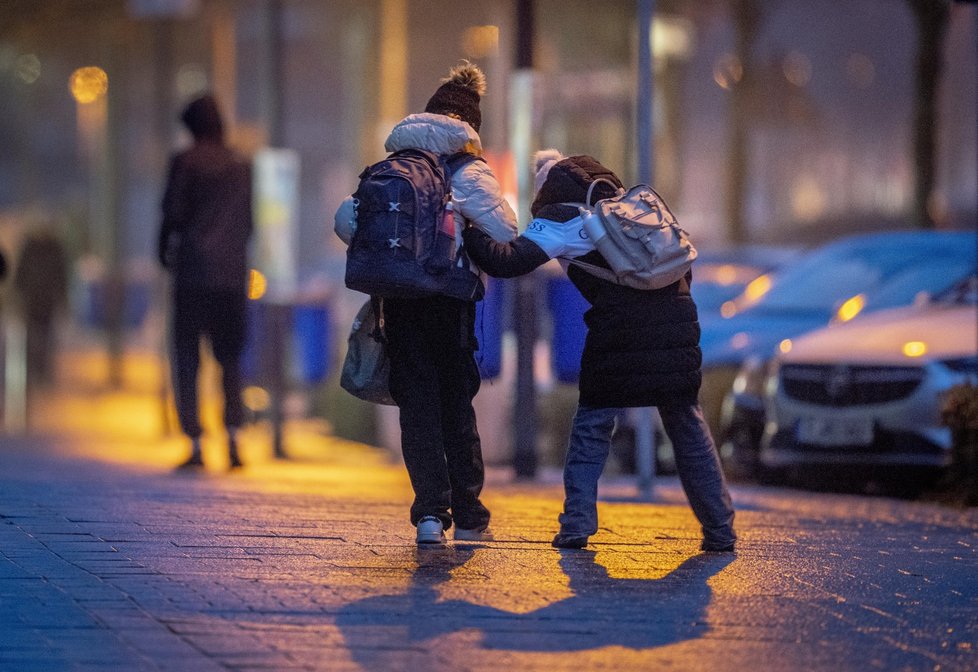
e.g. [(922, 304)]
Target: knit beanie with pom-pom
[(543, 161), (460, 94)]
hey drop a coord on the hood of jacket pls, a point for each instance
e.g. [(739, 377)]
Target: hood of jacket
[(435, 133)]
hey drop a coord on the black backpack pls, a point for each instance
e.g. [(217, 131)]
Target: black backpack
[(404, 241)]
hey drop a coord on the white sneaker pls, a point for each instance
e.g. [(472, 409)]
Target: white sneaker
[(485, 534), (431, 531)]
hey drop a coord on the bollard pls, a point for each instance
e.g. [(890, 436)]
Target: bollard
[(15, 377)]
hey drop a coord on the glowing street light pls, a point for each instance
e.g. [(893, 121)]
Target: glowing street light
[(88, 84)]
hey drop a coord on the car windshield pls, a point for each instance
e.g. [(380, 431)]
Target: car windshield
[(933, 274), (963, 293), (820, 281)]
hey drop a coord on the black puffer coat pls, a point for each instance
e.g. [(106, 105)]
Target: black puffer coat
[(642, 347), (207, 218)]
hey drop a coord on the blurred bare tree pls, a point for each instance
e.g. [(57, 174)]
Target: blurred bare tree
[(932, 19), (747, 18)]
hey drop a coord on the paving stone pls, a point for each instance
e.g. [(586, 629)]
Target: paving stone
[(312, 565)]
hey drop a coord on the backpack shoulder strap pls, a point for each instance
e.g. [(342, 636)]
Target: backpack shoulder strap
[(597, 271), (432, 158)]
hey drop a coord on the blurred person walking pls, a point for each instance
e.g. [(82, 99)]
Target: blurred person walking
[(41, 287), (203, 243), (641, 349), (431, 340)]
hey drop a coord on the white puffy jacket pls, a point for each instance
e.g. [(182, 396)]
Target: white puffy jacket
[(476, 194)]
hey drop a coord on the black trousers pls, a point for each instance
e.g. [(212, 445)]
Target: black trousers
[(433, 379), (218, 315)]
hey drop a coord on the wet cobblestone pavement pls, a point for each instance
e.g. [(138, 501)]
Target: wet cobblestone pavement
[(109, 560)]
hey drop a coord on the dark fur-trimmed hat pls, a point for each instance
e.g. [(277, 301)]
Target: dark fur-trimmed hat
[(460, 94)]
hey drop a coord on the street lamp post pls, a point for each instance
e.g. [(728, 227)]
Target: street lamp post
[(644, 418), (525, 300)]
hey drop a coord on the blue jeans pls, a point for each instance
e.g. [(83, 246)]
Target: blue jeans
[(696, 461)]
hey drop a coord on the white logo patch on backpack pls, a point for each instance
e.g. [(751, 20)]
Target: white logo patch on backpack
[(637, 234)]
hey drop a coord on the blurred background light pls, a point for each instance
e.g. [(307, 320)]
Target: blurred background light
[(757, 288), (27, 68), (88, 84), (727, 71), (808, 199), (480, 41), (797, 68), (672, 37), (915, 349), (256, 399), (191, 80), (257, 285), (851, 307), (726, 275)]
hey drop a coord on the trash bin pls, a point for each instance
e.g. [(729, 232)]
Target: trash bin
[(311, 342), (567, 308), (489, 319), (308, 355), (93, 301), (257, 327)]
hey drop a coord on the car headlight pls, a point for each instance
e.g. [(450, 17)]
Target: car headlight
[(752, 379)]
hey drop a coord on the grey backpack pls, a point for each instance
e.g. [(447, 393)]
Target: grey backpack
[(638, 236)]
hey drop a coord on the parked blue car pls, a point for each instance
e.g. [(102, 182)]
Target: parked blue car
[(720, 276), (838, 281)]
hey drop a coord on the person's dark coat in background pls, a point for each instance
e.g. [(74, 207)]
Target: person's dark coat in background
[(203, 242), (41, 286)]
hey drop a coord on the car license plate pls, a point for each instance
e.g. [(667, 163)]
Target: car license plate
[(836, 431)]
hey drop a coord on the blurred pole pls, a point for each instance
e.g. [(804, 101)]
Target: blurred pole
[(525, 303), (224, 57), (975, 3), (162, 69), (278, 311), (393, 46), (112, 176), (15, 376), (644, 128), (275, 73), (644, 418), (747, 19)]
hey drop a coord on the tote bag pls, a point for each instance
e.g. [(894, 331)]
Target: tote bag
[(366, 369)]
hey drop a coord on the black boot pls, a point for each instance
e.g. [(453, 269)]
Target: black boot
[(233, 458)]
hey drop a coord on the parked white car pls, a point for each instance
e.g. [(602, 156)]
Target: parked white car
[(868, 392)]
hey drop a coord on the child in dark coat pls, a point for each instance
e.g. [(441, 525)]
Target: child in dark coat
[(642, 349)]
